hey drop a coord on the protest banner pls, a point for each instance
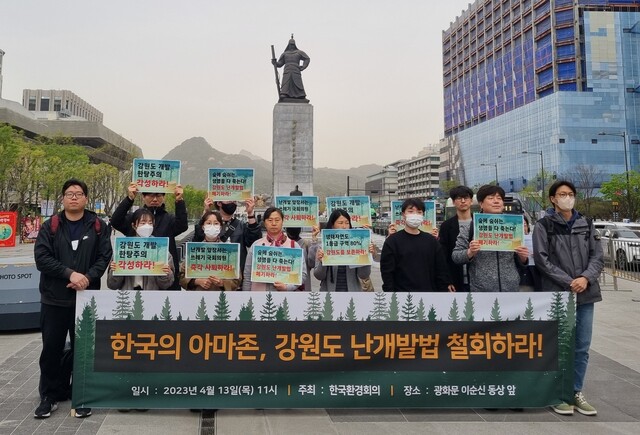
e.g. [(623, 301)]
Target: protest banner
[(203, 259), (358, 207), (156, 176), (299, 211), (428, 223), (8, 228), (498, 232), (154, 349), (140, 255), (277, 264), (346, 247), (230, 184)]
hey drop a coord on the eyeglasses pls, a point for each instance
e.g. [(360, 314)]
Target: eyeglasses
[(74, 195), (565, 195)]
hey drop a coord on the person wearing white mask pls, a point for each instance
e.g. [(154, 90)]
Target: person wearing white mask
[(412, 260), (569, 258), (211, 226), (142, 223)]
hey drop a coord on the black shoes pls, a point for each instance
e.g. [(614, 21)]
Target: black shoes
[(46, 407)]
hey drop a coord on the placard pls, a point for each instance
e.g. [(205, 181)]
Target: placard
[(205, 259), (346, 247), (140, 255), (299, 211), (428, 223), (277, 264), (498, 232), (156, 176), (231, 184), (358, 207)]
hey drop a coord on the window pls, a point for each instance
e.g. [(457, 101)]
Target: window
[(594, 141), (44, 104), (561, 140), (57, 104), (32, 103)]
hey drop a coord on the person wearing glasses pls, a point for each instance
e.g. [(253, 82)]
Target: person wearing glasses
[(166, 224), (72, 251), (449, 230), (570, 258)]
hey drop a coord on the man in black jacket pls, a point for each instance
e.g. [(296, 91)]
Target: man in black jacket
[(166, 224), (72, 251), (233, 229), (449, 230)]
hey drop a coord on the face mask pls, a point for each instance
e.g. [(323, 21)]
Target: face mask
[(144, 230), (211, 231), (566, 204), (413, 220), (229, 208)]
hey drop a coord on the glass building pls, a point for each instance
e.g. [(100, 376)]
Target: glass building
[(546, 78)]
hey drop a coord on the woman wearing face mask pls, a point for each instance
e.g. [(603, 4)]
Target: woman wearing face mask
[(211, 225), (490, 271), (273, 220), (142, 223), (338, 278)]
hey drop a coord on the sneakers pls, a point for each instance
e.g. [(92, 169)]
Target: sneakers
[(563, 409), (582, 406), (47, 406), (82, 412)]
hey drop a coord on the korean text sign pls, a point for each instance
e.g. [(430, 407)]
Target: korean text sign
[(299, 211), (358, 207), (231, 184), (159, 176), (140, 255), (498, 232), (277, 264), (346, 247), (221, 260), (8, 228)]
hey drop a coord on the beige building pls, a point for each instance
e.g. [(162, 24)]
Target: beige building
[(55, 104), (419, 177)]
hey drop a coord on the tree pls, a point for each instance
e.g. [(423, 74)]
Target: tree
[(615, 190), (165, 314), (123, 306), (351, 311), (222, 311), (420, 311), (269, 308), (495, 312), (137, 311), (469, 308), (409, 309), (587, 178), (283, 311), (379, 311), (393, 312), (201, 312), (9, 151), (454, 316), (246, 311), (84, 347), (432, 316), (528, 311), (312, 312), (327, 309), (193, 199)]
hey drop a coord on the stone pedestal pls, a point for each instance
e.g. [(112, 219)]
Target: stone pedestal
[(292, 152)]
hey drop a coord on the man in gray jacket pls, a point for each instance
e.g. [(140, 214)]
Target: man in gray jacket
[(569, 258)]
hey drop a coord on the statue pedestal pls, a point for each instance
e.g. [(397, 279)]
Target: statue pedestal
[(292, 152)]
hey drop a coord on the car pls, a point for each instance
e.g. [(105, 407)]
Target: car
[(622, 246)]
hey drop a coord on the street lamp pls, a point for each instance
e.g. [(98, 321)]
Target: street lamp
[(541, 172), (495, 166), (623, 135)]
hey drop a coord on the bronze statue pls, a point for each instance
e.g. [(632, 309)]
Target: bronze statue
[(292, 89)]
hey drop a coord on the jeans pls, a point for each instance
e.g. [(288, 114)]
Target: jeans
[(584, 329)]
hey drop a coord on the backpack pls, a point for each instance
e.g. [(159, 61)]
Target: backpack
[(549, 226), (55, 223)]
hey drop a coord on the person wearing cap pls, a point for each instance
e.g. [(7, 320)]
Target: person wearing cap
[(166, 224)]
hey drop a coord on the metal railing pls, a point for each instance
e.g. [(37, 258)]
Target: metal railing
[(621, 259)]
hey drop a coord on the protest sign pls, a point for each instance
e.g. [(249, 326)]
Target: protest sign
[(231, 184), (156, 176), (140, 255), (277, 264), (203, 259), (498, 232), (346, 247), (428, 223), (299, 211), (358, 207)]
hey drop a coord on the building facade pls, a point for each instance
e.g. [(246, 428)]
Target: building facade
[(532, 83), (382, 188), (419, 177), (55, 104)]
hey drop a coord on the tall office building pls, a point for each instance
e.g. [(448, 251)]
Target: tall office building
[(544, 77)]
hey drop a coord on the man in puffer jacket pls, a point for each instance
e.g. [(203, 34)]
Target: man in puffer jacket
[(570, 258)]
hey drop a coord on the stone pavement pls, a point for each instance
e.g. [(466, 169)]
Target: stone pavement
[(612, 386)]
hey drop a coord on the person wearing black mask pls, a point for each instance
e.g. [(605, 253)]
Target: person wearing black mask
[(166, 224), (233, 229)]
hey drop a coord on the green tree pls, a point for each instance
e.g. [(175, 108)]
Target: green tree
[(528, 311), (469, 308), (165, 314), (84, 348), (393, 311), (409, 309), (351, 311), (269, 308), (193, 199), (495, 312), (432, 316), (454, 316), (123, 306), (380, 310), (179, 318), (201, 312), (313, 310), (616, 190), (327, 309), (246, 311), (283, 311), (137, 311), (222, 311), (421, 311), (10, 145)]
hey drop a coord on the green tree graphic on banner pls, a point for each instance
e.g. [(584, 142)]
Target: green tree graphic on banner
[(379, 311), (420, 311), (351, 311), (495, 311), (84, 349), (327, 308), (469, 309), (454, 316), (137, 311), (283, 311), (409, 309), (528, 311), (122, 311), (432, 316), (201, 312), (394, 309), (269, 308), (222, 311), (165, 314), (313, 306)]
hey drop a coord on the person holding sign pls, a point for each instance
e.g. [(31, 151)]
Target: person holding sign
[(412, 260), (449, 230), (211, 225), (273, 221), (233, 229), (143, 224), (165, 224), (338, 278), (490, 271)]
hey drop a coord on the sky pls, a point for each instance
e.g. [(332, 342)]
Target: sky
[(162, 72)]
